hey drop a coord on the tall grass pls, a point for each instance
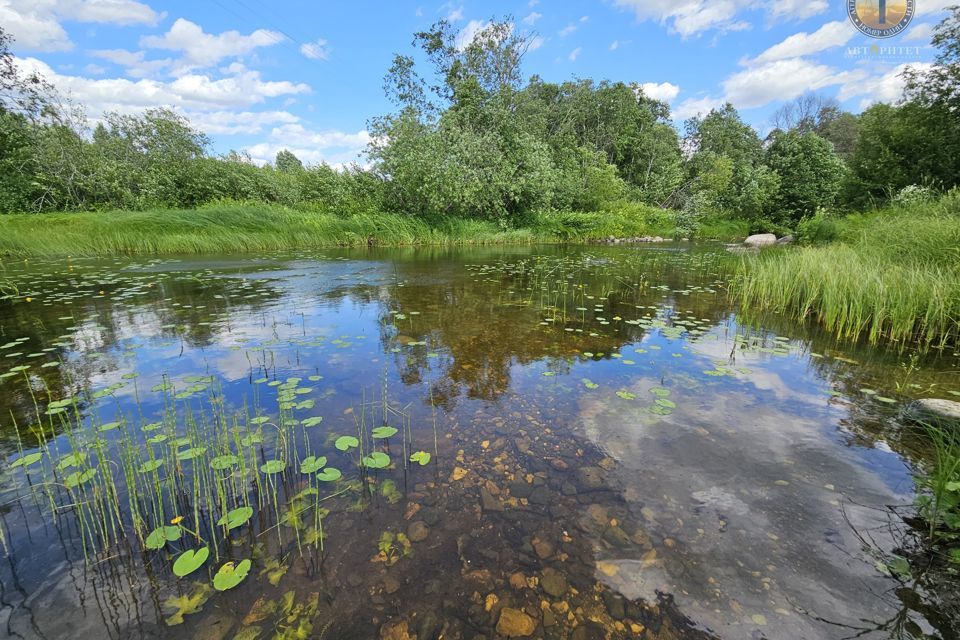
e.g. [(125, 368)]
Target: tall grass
[(891, 275), (234, 228)]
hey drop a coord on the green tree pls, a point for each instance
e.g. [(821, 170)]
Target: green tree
[(810, 174), (287, 162)]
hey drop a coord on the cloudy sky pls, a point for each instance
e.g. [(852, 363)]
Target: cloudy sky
[(307, 75)]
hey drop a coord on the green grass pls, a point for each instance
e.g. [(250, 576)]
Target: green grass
[(234, 228), (890, 275)]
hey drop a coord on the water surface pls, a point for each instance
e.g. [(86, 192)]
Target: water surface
[(613, 452)]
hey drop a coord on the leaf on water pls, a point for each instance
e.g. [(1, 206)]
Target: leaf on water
[(345, 443), (273, 466), (230, 575), (189, 561), (224, 462), (74, 459), (159, 537), (150, 465), (420, 457), (330, 474), (312, 464), (191, 453), (185, 605), (626, 395), (236, 517), (376, 460), (77, 478), (384, 432), (109, 426), (312, 421), (27, 460)]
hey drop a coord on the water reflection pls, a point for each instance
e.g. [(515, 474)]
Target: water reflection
[(616, 453)]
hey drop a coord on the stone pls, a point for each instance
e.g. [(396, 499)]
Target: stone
[(543, 549), (553, 583), (418, 531), (761, 240), (518, 581), (541, 496), (396, 631), (936, 410), (514, 623), (616, 605), (616, 536), (520, 489), (488, 501), (788, 239), (391, 584), (589, 478)]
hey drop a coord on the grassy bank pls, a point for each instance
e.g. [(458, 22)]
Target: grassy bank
[(241, 228), (893, 274)]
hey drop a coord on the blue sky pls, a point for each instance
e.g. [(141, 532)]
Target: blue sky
[(307, 75)]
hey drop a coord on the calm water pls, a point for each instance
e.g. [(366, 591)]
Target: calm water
[(612, 452)]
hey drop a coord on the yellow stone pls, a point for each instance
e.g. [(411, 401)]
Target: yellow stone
[(458, 474)]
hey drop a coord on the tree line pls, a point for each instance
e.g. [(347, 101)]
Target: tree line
[(471, 138)]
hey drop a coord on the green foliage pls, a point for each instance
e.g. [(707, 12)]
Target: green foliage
[(810, 174)]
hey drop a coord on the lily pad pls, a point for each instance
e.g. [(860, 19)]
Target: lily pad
[(223, 462), (273, 466), (159, 537), (376, 460), (27, 460), (230, 575), (150, 465), (330, 474), (420, 457), (345, 443), (384, 432), (312, 464), (236, 517), (77, 478), (189, 561)]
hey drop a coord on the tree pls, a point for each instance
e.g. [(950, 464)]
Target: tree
[(939, 85), (810, 174), (287, 162)]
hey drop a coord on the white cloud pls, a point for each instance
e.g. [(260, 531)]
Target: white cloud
[(203, 49), (469, 32), (798, 9), (575, 54), (926, 7), (665, 91), (318, 50), (692, 107), (36, 24), (191, 92), (455, 15), (781, 80), (95, 69), (532, 18), (239, 122), (832, 34), (337, 148), (885, 87), (919, 33), (690, 17), (614, 45), (536, 42), (134, 62)]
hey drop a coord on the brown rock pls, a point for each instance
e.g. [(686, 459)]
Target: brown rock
[(396, 631), (514, 623), (418, 531)]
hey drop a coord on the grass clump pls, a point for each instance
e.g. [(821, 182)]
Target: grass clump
[(891, 275)]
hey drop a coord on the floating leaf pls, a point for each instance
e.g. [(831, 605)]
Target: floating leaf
[(312, 421), (236, 517), (273, 466), (330, 474), (376, 460), (150, 465), (421, 457), (109, 426), (230, 575), (159, 537), (384, 432), (77, 478), (345, 443), (312, 464), (185, 605), (27, 460), (224, 462), (190, 454), (189, 561), (74, 459)]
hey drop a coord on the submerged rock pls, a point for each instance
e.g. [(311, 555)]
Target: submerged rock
[(589, 478), (761, 240), (936, 410), (514, 623), (553, 583), (418, 531)]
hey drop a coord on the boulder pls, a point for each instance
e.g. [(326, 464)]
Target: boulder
[(761, 240), (935, 410), (514, 623), (788, 239)]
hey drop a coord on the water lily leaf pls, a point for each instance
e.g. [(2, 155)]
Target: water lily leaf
[(27, 460), (312, 464), (273, 466), (74, 459), (230, 575), (159, 537), (252, 439), (224, 462), (384, 432), (77, 478), (345, 443), (191, 453), (109, 426), (189, 561), (312, 421), (236, 517), (329, 474), (150, 465), (185, 605), (421, 457), (376, 460)]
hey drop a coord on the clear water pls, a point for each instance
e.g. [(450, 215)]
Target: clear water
[(613, 452)]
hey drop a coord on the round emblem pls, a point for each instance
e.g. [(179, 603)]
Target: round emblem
[(881, 18)]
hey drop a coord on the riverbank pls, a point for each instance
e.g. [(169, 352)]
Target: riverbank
[(889, 275), (250, 228)]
